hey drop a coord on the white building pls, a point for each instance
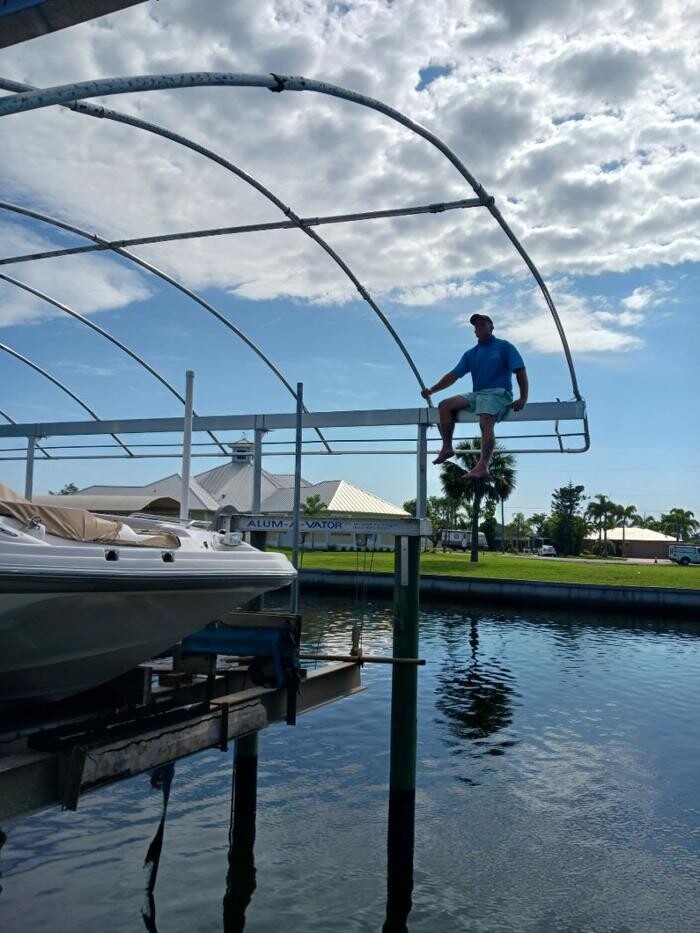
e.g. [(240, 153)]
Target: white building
[(231, 484)]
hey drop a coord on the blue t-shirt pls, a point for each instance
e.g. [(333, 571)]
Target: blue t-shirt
[(491, 363)]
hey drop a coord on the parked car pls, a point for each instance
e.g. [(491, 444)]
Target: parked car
[(547, 550), (684, 554)]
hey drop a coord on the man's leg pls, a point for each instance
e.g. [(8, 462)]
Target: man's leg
[(488, 442), (447, 409)]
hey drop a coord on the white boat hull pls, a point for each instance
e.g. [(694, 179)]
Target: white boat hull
[(74, 615), (56, 644)]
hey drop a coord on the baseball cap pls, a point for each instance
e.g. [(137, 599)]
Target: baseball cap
[(480, 317)]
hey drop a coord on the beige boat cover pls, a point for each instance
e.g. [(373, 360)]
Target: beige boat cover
[(77, 524)]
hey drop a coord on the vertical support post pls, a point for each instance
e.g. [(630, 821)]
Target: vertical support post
[(257, 538), (29, 474), (422, 475), (187, 447), (503, 527), (404, 734), (240, 881), (257, 471), (294, 607)]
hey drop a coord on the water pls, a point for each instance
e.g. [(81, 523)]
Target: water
[(557, 791)]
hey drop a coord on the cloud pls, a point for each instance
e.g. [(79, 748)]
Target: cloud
[(606, 73), (88, 284), (591, 323), (588, 142)]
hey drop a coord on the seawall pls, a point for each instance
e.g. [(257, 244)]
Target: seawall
[(638, 599)]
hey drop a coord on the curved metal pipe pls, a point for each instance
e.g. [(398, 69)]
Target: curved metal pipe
[(62, 387), (70, 93), (104, 113), (107, 336), (26, 212)]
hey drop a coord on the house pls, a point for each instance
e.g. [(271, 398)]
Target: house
[(231, 484), (636, 542)]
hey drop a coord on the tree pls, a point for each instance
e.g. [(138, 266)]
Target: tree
[(439, 511), (311, 507), (625, 516), (566, 526), (601, 511), (498, 485), (648, 521), (538, 522), (678, 522), (489, 525), (519, 529), (68, 490)]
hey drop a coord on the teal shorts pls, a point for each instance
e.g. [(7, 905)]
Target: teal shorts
[(490, 402)]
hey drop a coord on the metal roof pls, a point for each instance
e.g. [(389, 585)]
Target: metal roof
[(338, 495), (635, 534), (170, 486), (102, 502)]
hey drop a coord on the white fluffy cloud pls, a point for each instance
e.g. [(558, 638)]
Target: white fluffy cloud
[(582, 121)]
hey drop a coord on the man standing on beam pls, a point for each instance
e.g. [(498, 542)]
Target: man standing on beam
[(491, 362)]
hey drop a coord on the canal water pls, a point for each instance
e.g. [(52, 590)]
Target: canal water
[(558, 790)]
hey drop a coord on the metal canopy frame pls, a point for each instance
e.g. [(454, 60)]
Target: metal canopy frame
[(73, 96)]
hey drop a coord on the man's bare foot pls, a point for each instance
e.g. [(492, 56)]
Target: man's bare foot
[(480, 471), (444, 454)]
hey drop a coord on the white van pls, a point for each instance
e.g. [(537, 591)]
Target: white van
[(684, 554), (547, 550)]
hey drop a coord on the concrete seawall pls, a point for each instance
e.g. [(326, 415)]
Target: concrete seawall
[(638, 599)]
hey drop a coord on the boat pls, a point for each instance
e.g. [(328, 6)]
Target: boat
[(85, 598)]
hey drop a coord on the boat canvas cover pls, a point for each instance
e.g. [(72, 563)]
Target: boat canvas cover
[(76, 524)]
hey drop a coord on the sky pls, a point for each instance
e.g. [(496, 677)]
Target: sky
[(582, 120)]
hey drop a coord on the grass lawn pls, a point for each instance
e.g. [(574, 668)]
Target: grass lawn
[(511, 567)]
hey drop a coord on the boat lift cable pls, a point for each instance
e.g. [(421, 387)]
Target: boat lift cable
[(64, 388), (104, 113), (149, 267), (72, 93), (436, 208), (117, 343), (10, 420)]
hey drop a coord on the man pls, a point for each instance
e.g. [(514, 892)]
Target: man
[(491, 362)]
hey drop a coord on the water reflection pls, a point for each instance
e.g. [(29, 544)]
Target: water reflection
[(3, 840), (161, 779), (474, 695), (241, 877), (400, 849)]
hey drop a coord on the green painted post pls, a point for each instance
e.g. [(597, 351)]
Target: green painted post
[(240, 882), (404, 734)]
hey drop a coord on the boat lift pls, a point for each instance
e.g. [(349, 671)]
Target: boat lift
[(59, 771)]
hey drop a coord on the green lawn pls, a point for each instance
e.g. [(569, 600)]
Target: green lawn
[(507, 567)]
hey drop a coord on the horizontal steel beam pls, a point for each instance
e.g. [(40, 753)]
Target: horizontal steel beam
[(436, 208), (381, 417), (32, 781)]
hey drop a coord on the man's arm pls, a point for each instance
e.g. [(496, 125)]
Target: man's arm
[(447, 380), (521, 376)]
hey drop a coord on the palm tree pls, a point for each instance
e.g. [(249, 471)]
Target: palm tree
[(626, 515), (311, 507), (520, 528), (601, 512), (497, 486), (679, 522)]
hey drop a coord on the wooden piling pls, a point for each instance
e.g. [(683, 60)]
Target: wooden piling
[(240, 881), (404, 732)]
